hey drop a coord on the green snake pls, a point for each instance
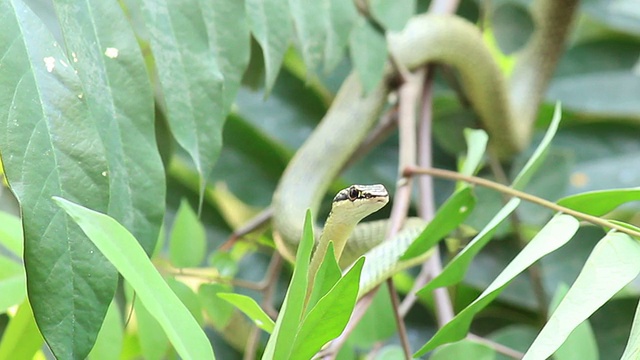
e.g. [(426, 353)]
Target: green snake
[(426, 38)]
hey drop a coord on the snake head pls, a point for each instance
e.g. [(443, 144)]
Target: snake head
[(358, 201)]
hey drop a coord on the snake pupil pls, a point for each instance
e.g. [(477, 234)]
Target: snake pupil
[(354, 193)]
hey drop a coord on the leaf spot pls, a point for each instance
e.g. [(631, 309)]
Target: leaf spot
[(75, 57), (105, 173), (111, 53), (463, 209), (49, 63)]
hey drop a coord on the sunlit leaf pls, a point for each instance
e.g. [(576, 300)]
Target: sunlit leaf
[(250, 308)]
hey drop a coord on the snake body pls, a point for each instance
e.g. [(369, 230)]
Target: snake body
[(426, 38)]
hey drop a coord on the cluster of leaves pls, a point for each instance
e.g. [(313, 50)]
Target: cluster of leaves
[(84, 83)]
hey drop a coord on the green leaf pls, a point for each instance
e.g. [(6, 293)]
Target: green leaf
[(271, 27), (329, 317), (326, 277), (21, 338), (369, 54), (250, 308), (187, 244), (598, 203), (451, 214), (613, 263), (581, 343), (456, 269), (464, 349), (115, 85), (154, 343), (534, 162), (110, 338), (342, 16), (219, 311), (476, 146), (11, 233), (51, 146), (310, 18), (13, 285), (121, 248), (393, 15), (230, 48), (188, 297), (190, 78), (556, 233), (632, 350), (281, 340)]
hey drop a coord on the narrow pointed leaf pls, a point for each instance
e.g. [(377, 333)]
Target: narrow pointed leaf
[(598, 203), (581, 343), (270, 24), (369, 54), (556, 233), (632, 350), (187, 244), (456, 269), (341, 18), (115, 85), (121, 248), (613, 263), (325, 279), (250, 308), (51, 146), (191, 81), (476, 146)]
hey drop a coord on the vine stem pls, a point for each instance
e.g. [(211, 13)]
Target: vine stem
[(452, 175)]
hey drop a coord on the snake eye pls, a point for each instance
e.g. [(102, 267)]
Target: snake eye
[(353, 193)]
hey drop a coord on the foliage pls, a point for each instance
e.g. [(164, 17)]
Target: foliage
[(137, 135)]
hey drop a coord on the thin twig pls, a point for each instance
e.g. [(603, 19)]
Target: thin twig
[(448, 174)]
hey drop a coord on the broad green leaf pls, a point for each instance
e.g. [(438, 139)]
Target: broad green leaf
[(632, 350), (613, 263), (281, 340), (229, 40), (456, 269), (271, 27), (598, 203), (393, 15), (476, 146), (341, 16), (21, 338), (218, 310), (11, 233), (609, 93), (464, 349), (124, 252), (116, 88), (325, 279), (51, 146), (250, 308), (523, 177), (368, 49), (581, 343), (187, 244), (190, 78), (451, 214), (556, 233), (110, 338), (310, 17), (328, 318)]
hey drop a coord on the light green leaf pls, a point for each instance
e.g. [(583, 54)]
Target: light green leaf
[(476, 146), (534, 162), (154, 343), (188, 297), (281, 340), (107, 58), (11, 233), (219, 311), (326, 321), (187, 244), (456, 269), (556, 233), (325, 279), (613, 263), (250, 308), (393, 15), (21, 338), (190, 78), (451, 214), (310, 17), (110, 338), (368, 50), (342, 16), (632, 350), (51, 146), (124, 252), (464, 349), (271, 27), (581, 343), (598, 203)]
